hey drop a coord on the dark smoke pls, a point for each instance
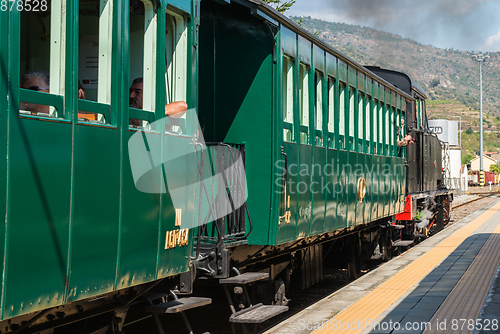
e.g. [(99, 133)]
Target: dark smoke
[(448, 23)]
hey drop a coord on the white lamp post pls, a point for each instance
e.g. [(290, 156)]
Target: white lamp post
[(480, 58)]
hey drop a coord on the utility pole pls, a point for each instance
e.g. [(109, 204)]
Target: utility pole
[(480, 58)]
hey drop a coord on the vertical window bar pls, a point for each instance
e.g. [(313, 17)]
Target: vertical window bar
[(361, 108), (287, 97), (57, 47), (319, 108), (331, 111), (149, 62), (304, 102), (105, 51), (342, 109)]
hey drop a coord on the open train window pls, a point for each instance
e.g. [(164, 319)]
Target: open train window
[(304, 103), (342, 88), (318, 110), (176, 56), (376, 129), (42, 57), (287, 98), (368, 118), (352, 94), (392, 134), (381, 127), (387, 122), (360, 125), (331, 111), (176, 49), (94, 60), (142, 58)]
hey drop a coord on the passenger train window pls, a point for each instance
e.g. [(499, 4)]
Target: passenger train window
[(388, 124), (352, 93), (141, 51), (331, 111), (287, 98), (176, 51), (342, 88), (177, 63), (304, 103), (94, 56), (380, 127), (42, 57), (318, 110), (392, 133), (360, 125), (376, 128), (368, 118)]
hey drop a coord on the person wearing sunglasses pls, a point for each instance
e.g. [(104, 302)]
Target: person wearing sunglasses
[(37, 80)]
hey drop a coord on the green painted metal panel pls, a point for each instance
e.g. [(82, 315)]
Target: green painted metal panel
[(319, 58), (361, 81), (352, 76), (304, 190), (6, 106), (288, 42), (343, 180), (388, 184), (342, 70), (376, 207), (38, 236), (184, 5), (319, 191), (369, 86), (331, 65), (351, 196), (331, 177), (305, 50), (286, 232), (359, 172), (138, 240), (180, 173), (369, 187), (96, 208)]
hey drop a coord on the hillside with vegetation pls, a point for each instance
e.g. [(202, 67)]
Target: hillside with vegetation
[(445, 74)]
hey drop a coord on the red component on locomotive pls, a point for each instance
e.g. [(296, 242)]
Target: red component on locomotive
[(406, 215)]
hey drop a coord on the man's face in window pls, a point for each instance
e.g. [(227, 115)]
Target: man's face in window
[(135, 96), (39, 85)]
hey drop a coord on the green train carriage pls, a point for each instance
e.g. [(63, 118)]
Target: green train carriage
[(79, 239), (284, 97)]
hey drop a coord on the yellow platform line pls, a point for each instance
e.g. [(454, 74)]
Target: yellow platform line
[(376, 302), (467, 298)]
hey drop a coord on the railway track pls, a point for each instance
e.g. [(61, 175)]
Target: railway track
[(480, 196)]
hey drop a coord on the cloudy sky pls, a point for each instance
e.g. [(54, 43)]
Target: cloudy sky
[(468, 25)]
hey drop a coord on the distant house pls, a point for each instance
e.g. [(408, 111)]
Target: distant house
[(494, 155), (487, 162)]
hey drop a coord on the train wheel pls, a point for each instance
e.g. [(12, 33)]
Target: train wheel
[(354, 259)]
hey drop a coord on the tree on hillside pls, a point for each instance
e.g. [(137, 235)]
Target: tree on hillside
[(467, 158), (281, 6), (469, 131), (434, 83)]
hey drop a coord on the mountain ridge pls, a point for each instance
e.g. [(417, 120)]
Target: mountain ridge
[(445, 74)]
